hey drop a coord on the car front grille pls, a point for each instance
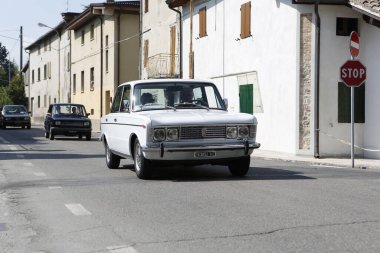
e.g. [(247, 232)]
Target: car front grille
[(72, 123), (199, 132)]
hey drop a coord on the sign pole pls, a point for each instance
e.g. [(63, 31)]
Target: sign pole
[(353, 127)]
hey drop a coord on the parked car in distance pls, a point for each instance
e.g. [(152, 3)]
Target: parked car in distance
[(176, 121), (67, 119), (14, 115)]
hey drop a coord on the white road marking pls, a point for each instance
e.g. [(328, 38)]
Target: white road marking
[(20, 156), (327, 166), (55, 187), (28, 164), (121, 249), (11, 147), (39, 174), (4, 140), (77, 209)]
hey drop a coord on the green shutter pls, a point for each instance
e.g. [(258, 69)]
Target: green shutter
[(344, 104), (246, 98)]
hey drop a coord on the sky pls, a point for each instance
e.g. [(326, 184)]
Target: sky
[(28, 13)]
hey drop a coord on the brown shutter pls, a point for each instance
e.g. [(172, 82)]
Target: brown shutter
[(146, 9), (172, 50), (146, 51), (245, 20), (202, 23)]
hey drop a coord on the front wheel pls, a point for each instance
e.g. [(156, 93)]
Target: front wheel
[(112, 160), (88, 137), (240, 166), (142, 165), (51, 134)]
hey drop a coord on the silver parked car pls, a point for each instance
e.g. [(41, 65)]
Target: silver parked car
[(175, 121)]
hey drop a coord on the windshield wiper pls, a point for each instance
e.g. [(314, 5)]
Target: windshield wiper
[(170, 107), (193, 105)]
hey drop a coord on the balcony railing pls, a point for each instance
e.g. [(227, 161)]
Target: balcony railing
[(163, 66)]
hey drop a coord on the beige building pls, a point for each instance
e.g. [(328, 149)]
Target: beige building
[(105, 53), (160, 40)]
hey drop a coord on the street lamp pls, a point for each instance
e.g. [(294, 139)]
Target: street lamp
[(59, 58)]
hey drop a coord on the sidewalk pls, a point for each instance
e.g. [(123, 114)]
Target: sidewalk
[(360, 163)]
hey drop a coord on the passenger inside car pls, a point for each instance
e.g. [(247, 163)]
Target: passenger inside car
[(146, 98)]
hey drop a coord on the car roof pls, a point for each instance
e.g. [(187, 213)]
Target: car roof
[(165, 80)]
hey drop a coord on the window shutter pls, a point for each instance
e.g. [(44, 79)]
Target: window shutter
[(146, 51), (245, 20), (202, 23)]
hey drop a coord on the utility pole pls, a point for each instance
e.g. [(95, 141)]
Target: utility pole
[(21, 47)]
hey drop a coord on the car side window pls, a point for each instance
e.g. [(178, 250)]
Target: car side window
[(124, 107), (117, 99)]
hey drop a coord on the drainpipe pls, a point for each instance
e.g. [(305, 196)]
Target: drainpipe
[(180, 42), (101, 66), (117, 48), (316, 86)]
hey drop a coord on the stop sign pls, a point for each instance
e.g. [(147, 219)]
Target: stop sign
[(353, 73)]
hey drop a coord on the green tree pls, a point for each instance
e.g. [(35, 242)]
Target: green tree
[(6, 66), (4, 99), (16, 91)]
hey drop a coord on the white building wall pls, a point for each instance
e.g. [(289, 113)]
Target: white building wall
[(271, 52), (369, 56)]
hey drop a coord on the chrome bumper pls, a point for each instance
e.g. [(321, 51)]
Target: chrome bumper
[(178, 153)]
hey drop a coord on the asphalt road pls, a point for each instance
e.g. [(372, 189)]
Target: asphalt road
[(59, 196)]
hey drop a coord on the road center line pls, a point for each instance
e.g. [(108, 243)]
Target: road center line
[(55, 187), (39, 174), (12, 147), (121, 249), (77, 209)]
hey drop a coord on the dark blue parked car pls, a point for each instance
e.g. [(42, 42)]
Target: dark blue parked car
[(14, 115), (67, 119)]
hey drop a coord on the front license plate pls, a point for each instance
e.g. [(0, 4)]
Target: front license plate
[(202, 154)]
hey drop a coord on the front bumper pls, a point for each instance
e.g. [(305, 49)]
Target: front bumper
[(70, 131), (16, 122), (191, 153)]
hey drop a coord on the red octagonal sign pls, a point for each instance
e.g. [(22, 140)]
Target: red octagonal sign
[(353, 73)]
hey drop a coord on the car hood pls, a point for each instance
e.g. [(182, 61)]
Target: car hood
[(197, 117)]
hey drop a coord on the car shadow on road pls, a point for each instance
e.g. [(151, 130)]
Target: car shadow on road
[(219, 173)]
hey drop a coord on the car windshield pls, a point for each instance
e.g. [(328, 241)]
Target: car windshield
[(69, 110), (14, 109), (176, 95)]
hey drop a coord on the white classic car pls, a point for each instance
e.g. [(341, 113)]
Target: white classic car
[(176, 121)]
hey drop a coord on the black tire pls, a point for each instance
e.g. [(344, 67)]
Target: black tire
[(29, 126), (240, 166), (4, 126), (51, 134), (47, 134), (142, 165), (80, 137), (88, 137), (112, 160)]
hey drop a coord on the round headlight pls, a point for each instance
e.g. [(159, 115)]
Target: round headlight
[(159, 134), (231, 132), (243, 131), (172, 134), (58, 123), (86, 123)]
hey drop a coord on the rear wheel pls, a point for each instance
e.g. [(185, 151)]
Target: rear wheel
[(142, 165), (112, 160), (240, 166)]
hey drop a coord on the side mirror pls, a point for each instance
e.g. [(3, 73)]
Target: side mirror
[(225, 101), (88, 114), (125, 105)]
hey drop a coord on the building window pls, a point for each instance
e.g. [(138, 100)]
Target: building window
[(45, 46), (39, 75), (82, 37), (146, 52), (49, 100), (74, 84), (344, 104), (68, 62), (202, 23), (344, 26), (45, 71), (49, 45), (146, 6), (38, 102), (245, 30), (82, 81), (33, 76), (49, 70), (92, 79), (45, 100), (92, 32)]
